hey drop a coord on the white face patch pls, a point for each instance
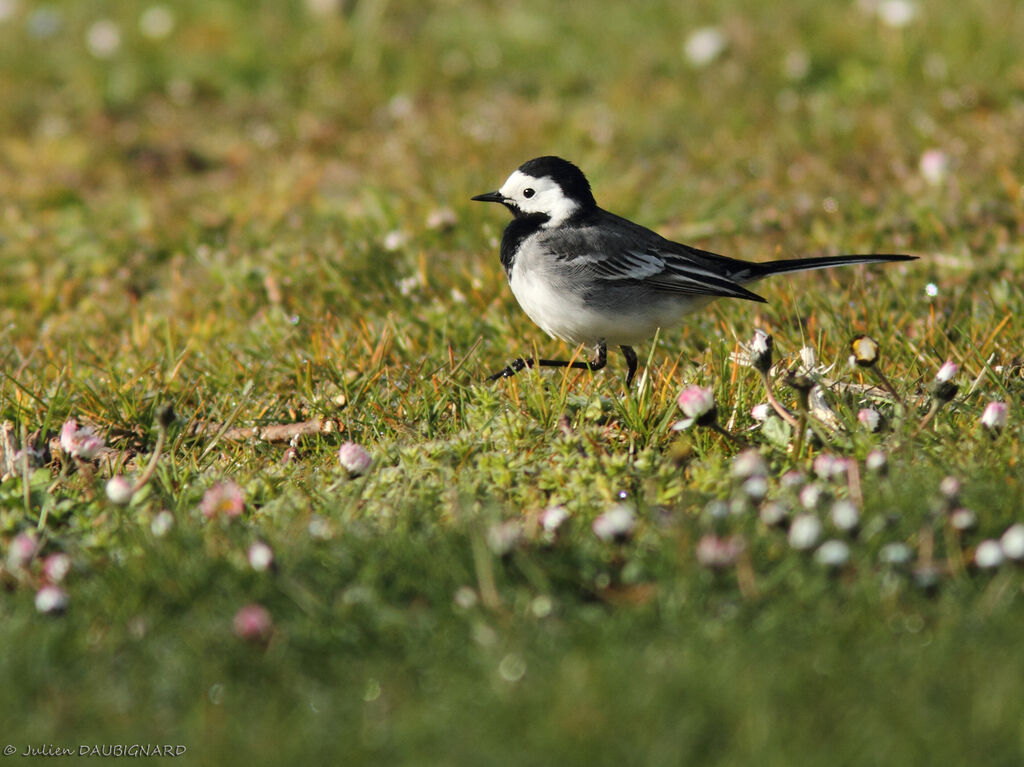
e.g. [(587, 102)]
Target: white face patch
[(538, 195)]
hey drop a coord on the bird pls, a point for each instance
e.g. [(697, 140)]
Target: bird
[(587, 276)]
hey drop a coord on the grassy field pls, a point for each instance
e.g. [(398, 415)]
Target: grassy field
[(258, 214)]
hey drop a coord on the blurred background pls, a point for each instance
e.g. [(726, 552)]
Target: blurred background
[(258, 211), (142, 141)]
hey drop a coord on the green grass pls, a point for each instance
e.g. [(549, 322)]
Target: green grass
[(238, 220)]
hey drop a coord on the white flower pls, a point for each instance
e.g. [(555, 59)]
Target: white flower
[(119, 490), (406, 285), (804, 532), (761, 412), (156, 22), (504, 536), (51, 600), (950, 487), (7, 9), (833, 554), (162, 523), (394, 240), (748, 464), (896, 13), (1012, 542), (995, 416), (552, 518), (773, 513), (756, 487), (465, 597), (963, 519), (989, 554), (103, 38), (761, 343), (704, 45), (756, 354), (845, 515), (895, 554), (810, 496), (320, 528), (717, 509), (260, 556), (615, 524)]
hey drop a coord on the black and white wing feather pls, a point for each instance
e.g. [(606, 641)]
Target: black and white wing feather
[(615, 250)]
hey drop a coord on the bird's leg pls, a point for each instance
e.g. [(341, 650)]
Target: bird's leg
[(599, 361), (630, 355)]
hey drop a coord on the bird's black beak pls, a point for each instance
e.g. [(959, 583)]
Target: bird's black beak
[(489, 197)]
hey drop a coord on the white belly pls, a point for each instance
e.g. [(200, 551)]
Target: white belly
[(563, 315)]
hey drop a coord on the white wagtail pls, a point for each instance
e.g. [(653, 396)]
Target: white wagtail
[(587, 276)]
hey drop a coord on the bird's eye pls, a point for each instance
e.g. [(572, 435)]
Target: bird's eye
[(528, 193)]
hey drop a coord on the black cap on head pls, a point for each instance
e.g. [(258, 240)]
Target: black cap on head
[(570, 178)]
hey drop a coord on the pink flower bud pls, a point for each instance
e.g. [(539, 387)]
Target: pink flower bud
[(869, 417), (995, 416), (56, 567), (80, 442), (947, 372), (253, 623), (21, 551), (224, 498), (933, 166), (354, 459), (696, 401)]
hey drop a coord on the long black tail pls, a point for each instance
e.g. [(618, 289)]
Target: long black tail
[(756, 271)]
